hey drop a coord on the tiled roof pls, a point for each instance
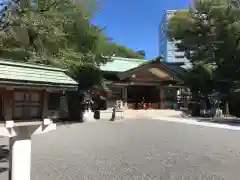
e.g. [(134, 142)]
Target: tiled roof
[(29, 74), (119, 64), (176, 68)]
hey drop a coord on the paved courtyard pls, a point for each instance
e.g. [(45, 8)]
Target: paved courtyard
[(134, 149)]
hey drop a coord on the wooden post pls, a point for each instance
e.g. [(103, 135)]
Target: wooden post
[(161, 98), (8, 103), (1, 105), (125, 99), (45, 104)]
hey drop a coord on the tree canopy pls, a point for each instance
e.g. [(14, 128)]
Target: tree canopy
[(116, 49), (59, 33), (53, 29), (210, 37)]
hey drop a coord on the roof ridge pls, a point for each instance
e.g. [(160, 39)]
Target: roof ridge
[(128, 59), (29, 65)]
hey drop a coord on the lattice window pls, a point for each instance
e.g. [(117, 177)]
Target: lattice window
[(27, 105)]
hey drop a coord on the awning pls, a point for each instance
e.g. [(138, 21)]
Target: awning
[(23, 74)]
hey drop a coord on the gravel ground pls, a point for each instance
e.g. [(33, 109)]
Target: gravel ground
[(134, 149)]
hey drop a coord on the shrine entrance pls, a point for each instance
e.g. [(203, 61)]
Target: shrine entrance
[(141, 96), (144, 85)]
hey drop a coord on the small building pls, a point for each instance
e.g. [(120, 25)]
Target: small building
[(25, 90), (24, 108), (136, 80)]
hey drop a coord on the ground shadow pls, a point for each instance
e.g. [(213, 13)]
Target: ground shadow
[(62, 122), (4, 153), (4, 157), (230, 122), (3, 169)]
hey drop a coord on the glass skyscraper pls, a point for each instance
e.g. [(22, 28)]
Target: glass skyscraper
[(168, 49)]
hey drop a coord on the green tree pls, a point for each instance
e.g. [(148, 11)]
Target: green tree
[(52, 32), (142, 52), (210, 35), (200, 77), (59, 33), (111, 48)]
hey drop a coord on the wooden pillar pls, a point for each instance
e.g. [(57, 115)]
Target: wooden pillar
[(161, 98), (1, 105), (124, 96), (45, 98), (8, 105)]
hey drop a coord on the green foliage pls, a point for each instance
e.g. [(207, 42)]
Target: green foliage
[(59, 33), (142, 52), (122, 51), (200, 77), (55, 33), (115, 49), (88, 76), (210, 35)]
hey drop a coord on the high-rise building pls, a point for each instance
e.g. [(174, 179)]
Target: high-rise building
[(167, 48)]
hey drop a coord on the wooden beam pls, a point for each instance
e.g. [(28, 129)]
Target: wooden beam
[(119, 84), (161, 94), (50, 89), (141, 83)]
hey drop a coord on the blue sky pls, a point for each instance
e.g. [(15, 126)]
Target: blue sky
[(134, 23)]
